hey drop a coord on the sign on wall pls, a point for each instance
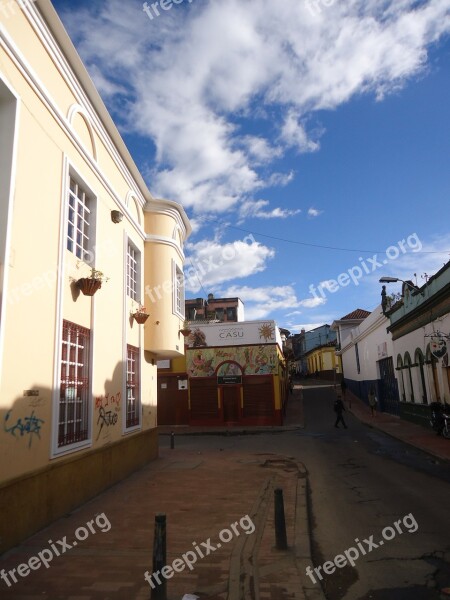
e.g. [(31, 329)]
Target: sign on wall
[(382, 350), (231, 334), (251, 360), (438, 346)]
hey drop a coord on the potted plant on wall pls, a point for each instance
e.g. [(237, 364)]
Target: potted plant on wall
[(185, 330), (140, 315), (89, 285)]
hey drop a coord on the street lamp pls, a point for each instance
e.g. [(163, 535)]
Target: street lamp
[(409, 284), (395, 279)]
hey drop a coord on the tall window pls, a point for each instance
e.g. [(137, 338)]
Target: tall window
[(133, 395), (79, 220), (74, 385), (178, 291), (133, 271)]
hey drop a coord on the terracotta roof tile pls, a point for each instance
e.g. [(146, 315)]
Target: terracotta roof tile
[(359, 313)]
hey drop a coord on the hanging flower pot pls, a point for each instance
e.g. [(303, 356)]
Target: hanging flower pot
[(89, 286), (140, 317)]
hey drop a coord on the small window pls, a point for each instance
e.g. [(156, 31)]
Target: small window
[(231, 314), (133, 271), (358, 365), (133, 408), (79, 221), (73, 419)]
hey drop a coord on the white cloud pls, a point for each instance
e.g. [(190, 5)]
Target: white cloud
[(293, 134), (313, 212), (196, 71), (312, 302), (211, 263), (261, 302), (255, 208)]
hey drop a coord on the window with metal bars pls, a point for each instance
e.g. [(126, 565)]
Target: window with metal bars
[(133, 393), (73, 419), (133, 271), (79, 220)]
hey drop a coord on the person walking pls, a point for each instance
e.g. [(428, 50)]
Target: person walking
[(339, 409), (372, 400)]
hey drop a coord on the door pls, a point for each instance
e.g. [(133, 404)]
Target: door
[(388, 387), (231, 397)]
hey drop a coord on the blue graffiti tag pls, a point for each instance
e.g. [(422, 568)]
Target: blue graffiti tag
[(28, 425)]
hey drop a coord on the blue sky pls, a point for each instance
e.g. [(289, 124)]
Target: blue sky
[(302, 138)]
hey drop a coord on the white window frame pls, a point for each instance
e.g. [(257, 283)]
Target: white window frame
[(87, 203), (178, 297), (9, 124), (137, 388), (133, 271)]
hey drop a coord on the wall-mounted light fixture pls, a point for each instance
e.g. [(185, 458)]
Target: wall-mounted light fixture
[(116, 216)]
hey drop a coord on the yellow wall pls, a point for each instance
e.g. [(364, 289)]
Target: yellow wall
[(54, 139)]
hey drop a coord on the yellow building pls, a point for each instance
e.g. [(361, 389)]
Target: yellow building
[(78, 381), (323, 360)]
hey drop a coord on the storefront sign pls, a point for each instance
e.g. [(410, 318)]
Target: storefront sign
[(229, 379)]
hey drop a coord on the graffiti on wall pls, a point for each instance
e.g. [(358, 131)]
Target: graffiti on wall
[(107, 408), (253, 360), (28, 426)]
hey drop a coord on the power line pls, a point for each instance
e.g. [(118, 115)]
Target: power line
[(272, 237)]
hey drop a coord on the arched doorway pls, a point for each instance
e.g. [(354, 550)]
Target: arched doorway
[(229, 381)]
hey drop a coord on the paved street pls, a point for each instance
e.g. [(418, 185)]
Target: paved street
[(357, 483), (361, 481)]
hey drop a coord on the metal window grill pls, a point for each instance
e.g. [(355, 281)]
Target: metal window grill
[(78, 221), (133, 398), (73, 418)]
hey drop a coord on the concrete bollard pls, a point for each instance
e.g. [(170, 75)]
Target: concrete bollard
[(280, 522), (159, 556)]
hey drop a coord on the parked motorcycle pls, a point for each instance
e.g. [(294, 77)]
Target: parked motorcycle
[(440, 418)]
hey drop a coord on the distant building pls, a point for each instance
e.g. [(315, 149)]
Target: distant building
[(305, 341), (233, 374), (344, 325), (225, 310), (367, 357), (323, 362)]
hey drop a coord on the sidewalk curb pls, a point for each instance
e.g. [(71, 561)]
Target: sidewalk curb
[(302, 541), (233, 432), (396, 437)]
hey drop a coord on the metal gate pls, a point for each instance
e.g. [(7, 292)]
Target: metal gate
[(388, 389)]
